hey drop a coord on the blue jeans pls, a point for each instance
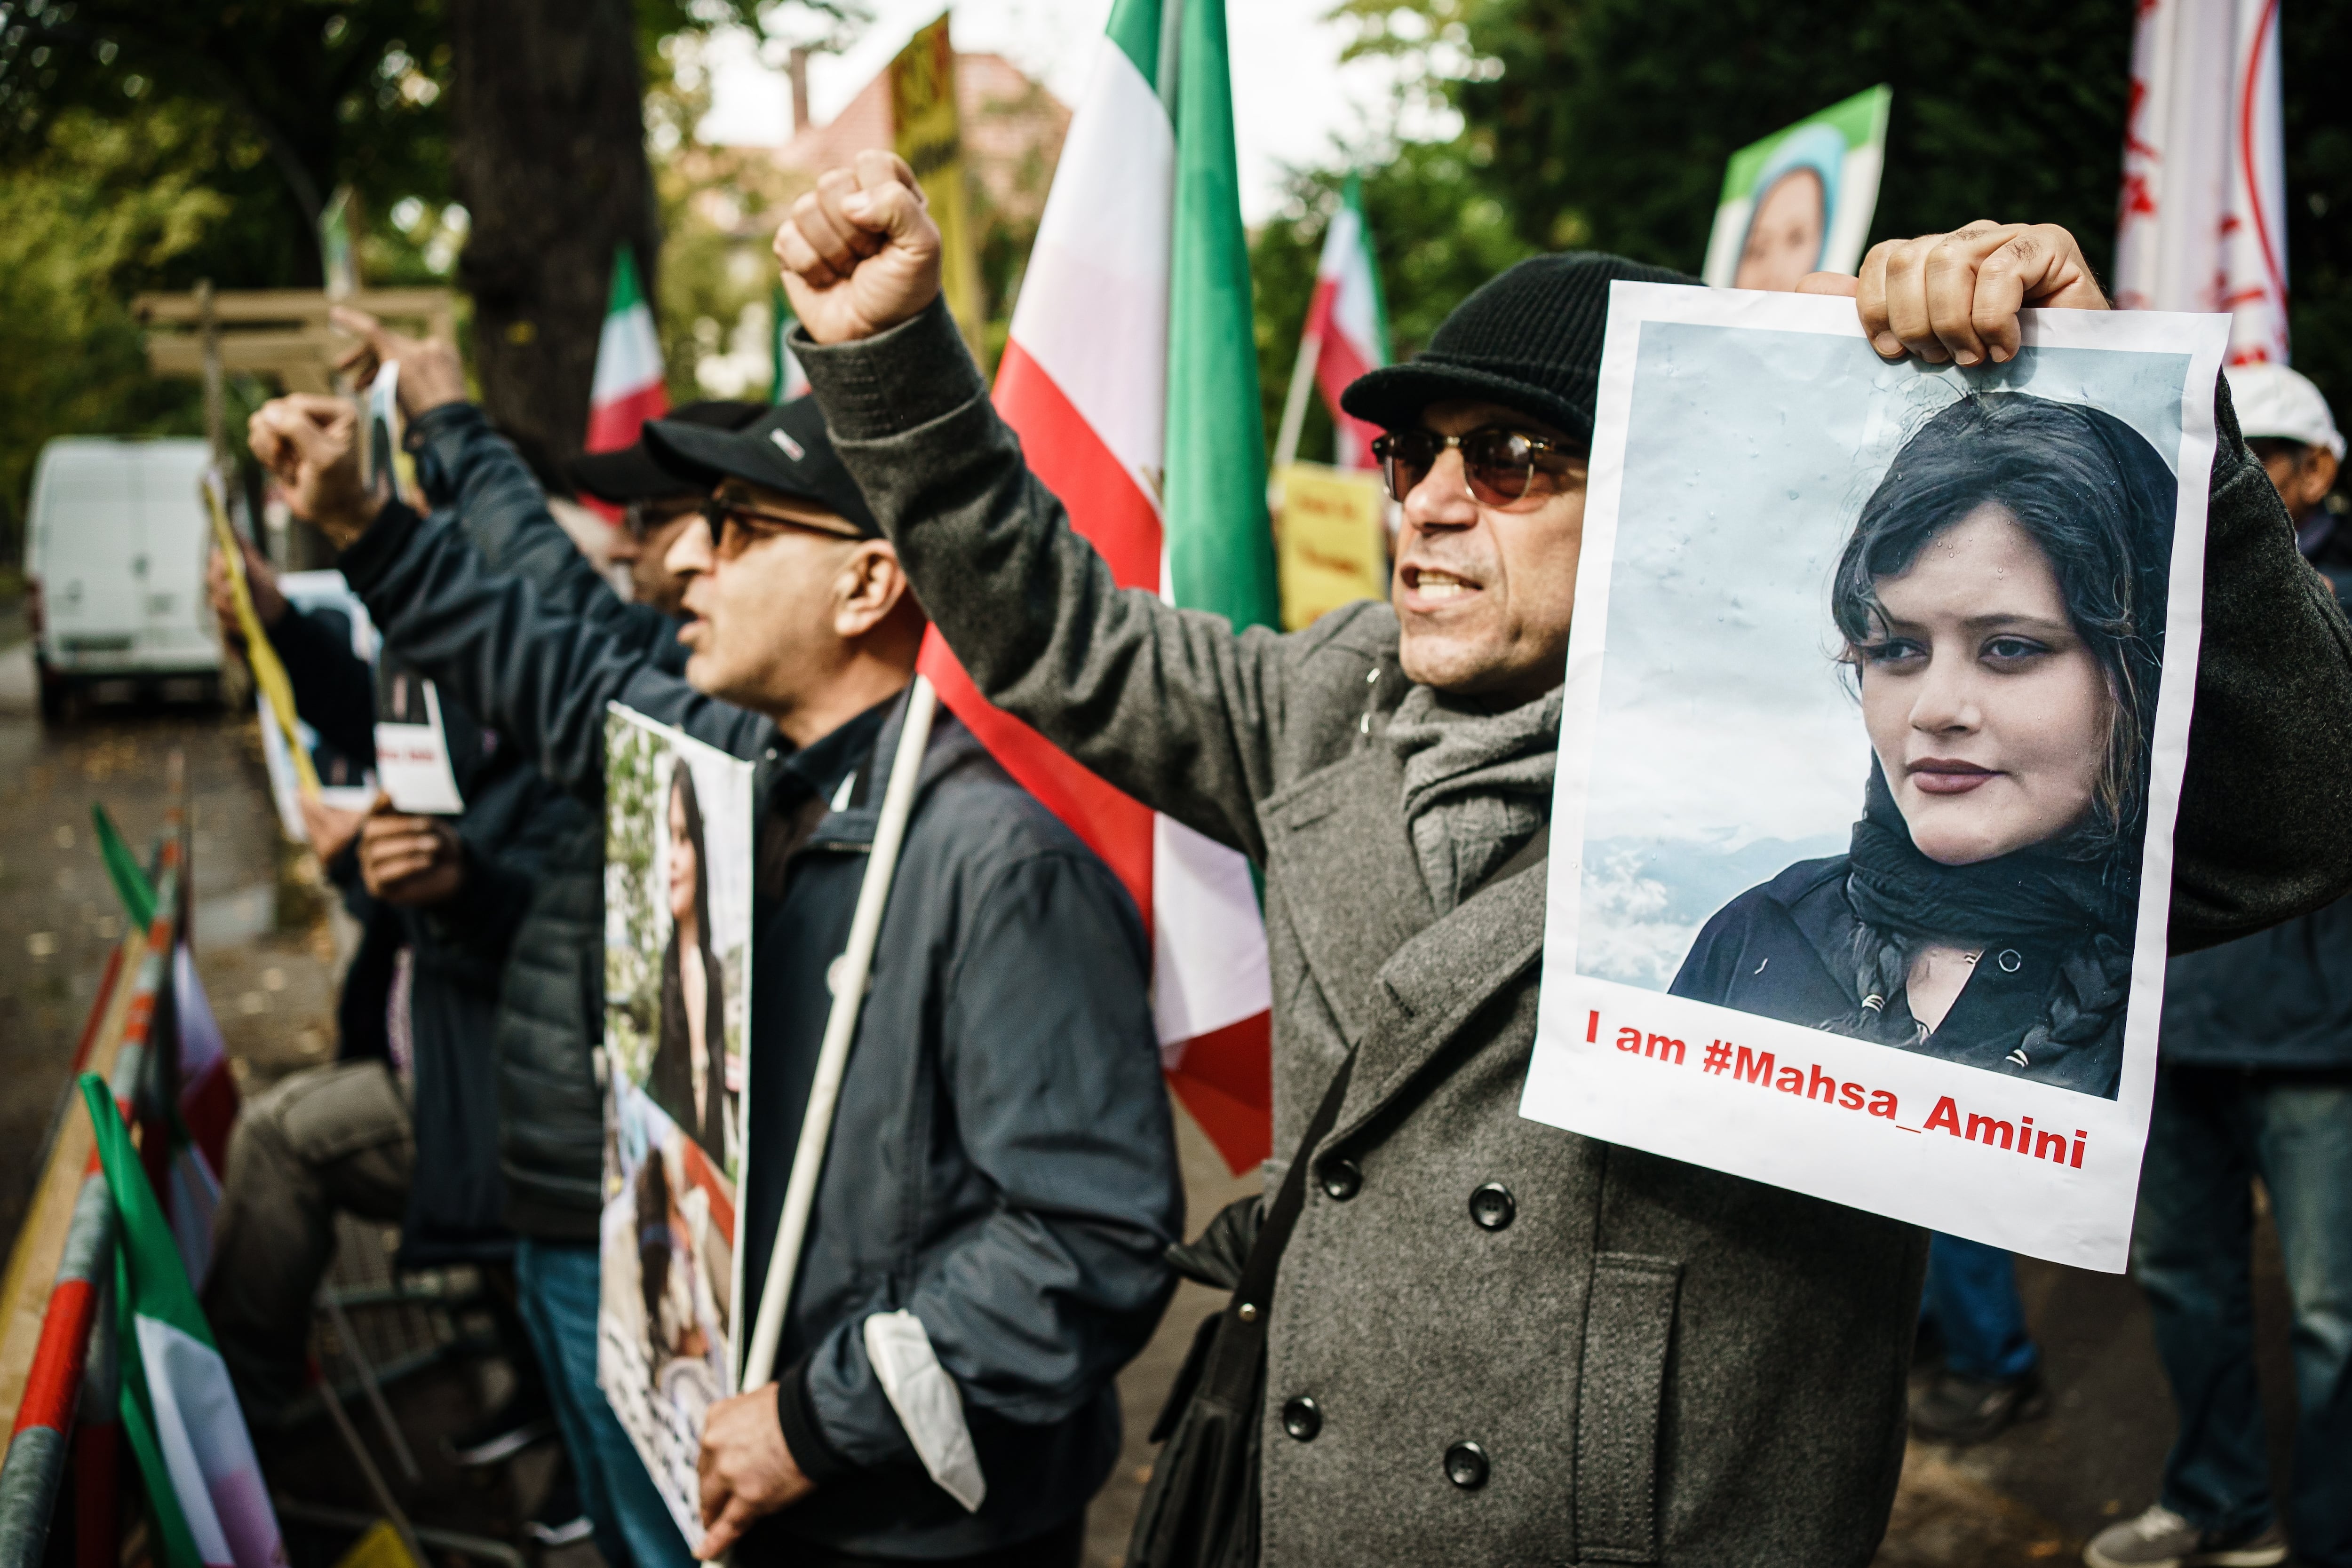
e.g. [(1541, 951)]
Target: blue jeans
[(2214, 1130), (558, 1287), (1971, 1298)]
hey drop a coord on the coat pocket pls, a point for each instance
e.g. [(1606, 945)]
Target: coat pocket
[(1628, 1330)]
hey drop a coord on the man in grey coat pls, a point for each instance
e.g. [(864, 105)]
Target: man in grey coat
[(1492, 1342)]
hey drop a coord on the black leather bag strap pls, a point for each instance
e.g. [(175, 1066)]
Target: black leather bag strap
[(1254, 1292)]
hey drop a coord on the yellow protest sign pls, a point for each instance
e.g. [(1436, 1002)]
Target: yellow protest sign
[(929, 134), (1331, 540)]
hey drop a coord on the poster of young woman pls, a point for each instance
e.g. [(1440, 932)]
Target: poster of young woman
[(1800, 200), (1873, 734), (678, 931)]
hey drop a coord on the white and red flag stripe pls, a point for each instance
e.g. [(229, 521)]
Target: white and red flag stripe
[(1125, 297), (1347, 320), (2202, 219)]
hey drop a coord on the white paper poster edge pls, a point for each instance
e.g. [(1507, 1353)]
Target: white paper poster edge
[(1625, 1099)]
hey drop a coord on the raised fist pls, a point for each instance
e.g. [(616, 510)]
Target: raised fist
[(430, 372), (860, 253), (310, 443)]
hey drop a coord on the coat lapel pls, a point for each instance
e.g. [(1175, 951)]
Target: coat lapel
[(1400, 980), (1436, 982), (1352, 892)]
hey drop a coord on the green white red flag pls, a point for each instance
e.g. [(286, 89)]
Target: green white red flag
[(179, 1410), (1131, 376), (628, 389), (1347, 320)]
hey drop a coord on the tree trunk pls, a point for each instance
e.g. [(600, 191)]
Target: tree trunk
[(547, 153)]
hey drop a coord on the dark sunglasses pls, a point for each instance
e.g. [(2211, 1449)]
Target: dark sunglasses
[(731, 504), (1502, 465)]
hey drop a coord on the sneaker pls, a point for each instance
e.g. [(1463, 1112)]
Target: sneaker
[(1956, 1409), (2162, 1539), (502, 1435), (559, 1520)]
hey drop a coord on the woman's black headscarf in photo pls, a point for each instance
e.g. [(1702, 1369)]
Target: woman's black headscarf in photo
[(2099, 501), (670, 1080)]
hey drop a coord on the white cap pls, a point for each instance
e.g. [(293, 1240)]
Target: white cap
[(2274, 402)]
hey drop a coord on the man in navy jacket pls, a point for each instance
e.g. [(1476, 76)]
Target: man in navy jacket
[(1002, 1178)]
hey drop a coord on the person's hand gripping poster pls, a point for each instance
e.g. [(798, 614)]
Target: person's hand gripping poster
[(1874, 722), (677, 929)]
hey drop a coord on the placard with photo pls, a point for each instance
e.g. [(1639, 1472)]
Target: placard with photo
[(678, 935), (1876, 714)]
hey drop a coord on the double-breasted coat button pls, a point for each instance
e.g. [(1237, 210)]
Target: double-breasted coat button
[(1491, 1207), (2011, 961), (1342, 1179), (1302, 1418), (1465, 1465)]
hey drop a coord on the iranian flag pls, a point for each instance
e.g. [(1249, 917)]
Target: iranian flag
[(1347, 322), (627, 391), (1131, 376), (179, 1411), (208, 1107), (208, 1099)]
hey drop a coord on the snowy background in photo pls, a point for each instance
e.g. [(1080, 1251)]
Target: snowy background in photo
[(1729, 745)]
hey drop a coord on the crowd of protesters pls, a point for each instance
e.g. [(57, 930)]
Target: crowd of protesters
[(1454, 1335)]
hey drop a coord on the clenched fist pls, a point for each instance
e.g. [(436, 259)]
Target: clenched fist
[(1955, 295), (860, 253), (310, 446)]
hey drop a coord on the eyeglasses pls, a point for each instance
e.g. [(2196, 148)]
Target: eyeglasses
[(643, 520), (731, 504), (1502, 465)]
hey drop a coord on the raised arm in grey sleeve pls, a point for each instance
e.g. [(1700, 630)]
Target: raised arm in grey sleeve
[(2265, 826), (1169, 705), (539, 676)]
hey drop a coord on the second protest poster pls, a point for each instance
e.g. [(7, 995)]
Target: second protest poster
[(677, 933), (1873, 728)]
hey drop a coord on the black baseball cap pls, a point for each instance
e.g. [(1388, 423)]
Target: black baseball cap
[(785, 450), (1528, 340), (631, 474)]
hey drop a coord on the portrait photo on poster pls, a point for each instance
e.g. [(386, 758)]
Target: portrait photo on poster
[(1876, 709), (1800, 200), (677, 928)]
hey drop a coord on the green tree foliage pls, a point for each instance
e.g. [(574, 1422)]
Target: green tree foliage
[(149, 145), (2315, 41), (326, 93), (1606, 123), (1437, 232), (103, 208)]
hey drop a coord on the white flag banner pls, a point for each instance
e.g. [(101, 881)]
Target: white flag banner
[(2202, 223)]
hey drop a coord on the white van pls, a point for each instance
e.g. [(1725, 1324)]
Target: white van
[(115, 560)]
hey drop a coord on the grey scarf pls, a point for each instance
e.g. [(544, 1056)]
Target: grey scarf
[(1476, 784)]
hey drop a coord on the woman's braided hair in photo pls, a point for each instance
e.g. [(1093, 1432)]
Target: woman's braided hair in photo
[(2097, 499)]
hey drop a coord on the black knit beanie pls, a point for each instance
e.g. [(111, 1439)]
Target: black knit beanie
[(1528, 340)]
